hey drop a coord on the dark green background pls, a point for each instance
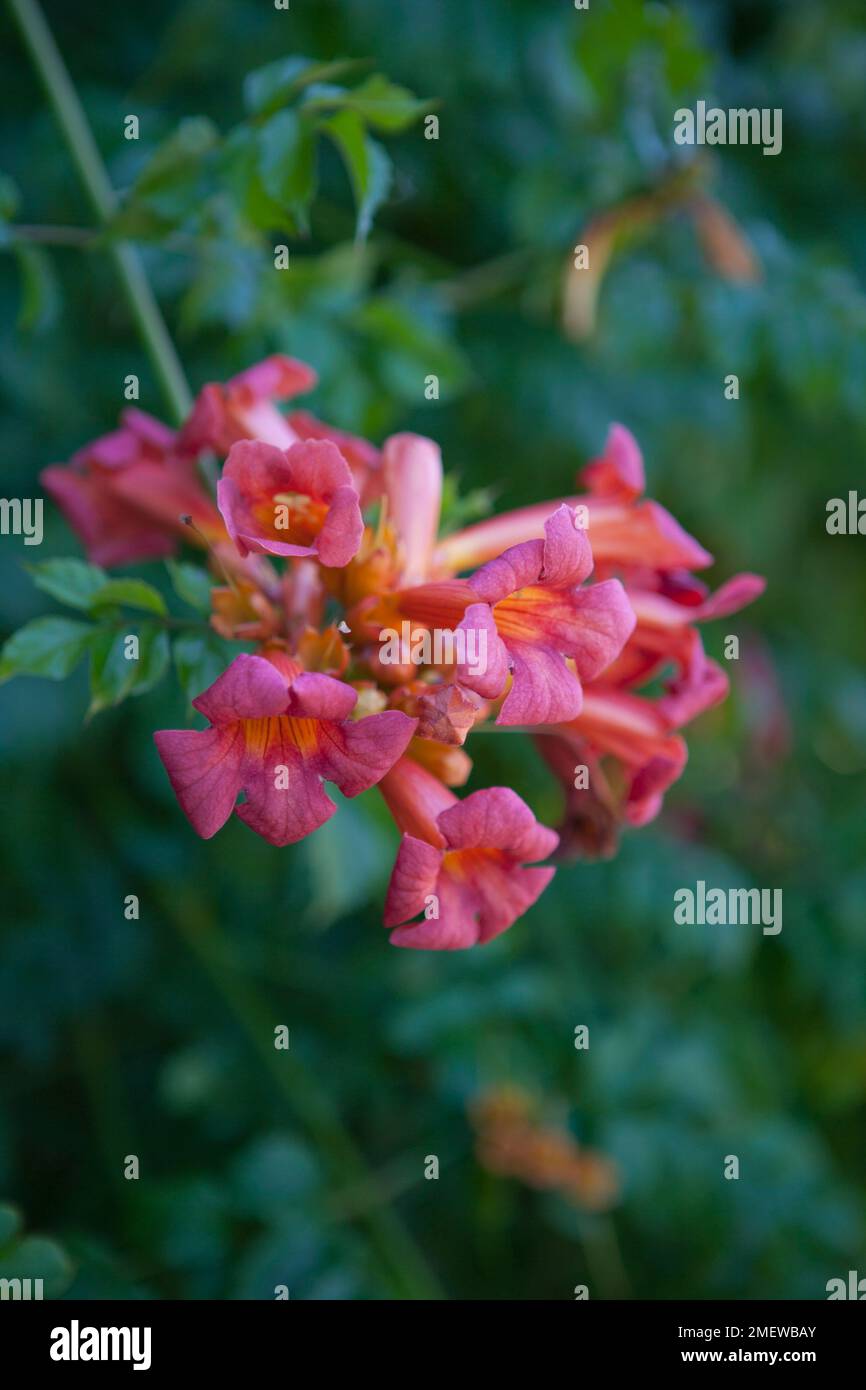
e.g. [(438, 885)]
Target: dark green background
[(154, 1037)]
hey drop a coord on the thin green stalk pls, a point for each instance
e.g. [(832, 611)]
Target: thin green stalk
[(399, 1252), (52, 236), (91, 168)]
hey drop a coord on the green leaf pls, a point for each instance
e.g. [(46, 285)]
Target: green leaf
[(70, 581), (367, 163), (325, 96), (133, 593), (384, 105), (240, 178), (112, 674), (49, 647), (270, 87), (177, 156), (346, 129), (191, 583), (154, 658), (198, 658), (115, 670), (171, 185), (84, 586), (287, 163), (378, 187)]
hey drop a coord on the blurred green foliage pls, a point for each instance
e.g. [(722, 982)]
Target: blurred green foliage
[(155, 1036)]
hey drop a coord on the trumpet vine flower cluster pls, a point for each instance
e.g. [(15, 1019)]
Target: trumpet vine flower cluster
[(378, 646)]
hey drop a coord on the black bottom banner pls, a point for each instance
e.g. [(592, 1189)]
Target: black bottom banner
[(162, 1338)]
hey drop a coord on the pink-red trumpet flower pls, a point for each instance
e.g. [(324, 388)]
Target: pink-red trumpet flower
[(296, 502), (276, 733), (243, 408), (461, 864), (124, 495), (539, 616)]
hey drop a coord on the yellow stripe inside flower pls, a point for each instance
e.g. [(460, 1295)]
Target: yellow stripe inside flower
[(292, 517), (262, 734)]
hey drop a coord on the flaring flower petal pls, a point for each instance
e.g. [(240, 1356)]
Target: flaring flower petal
[(250, 688), (285, 813), (651, 781), (733, 595), (658, 610), (124, 494), (490, 682), (413, 880), (243, 407), (606, 620), (619, 471), (277, 378), (363, 458), (543, 689), (313, 695), (562, 559), (701, 685), (204, 768), (111, 532), (340, 536), (311, 481), (497, 818), (478, 881), (275, 737)]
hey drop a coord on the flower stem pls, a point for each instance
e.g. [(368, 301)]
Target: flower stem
[(91, 168)]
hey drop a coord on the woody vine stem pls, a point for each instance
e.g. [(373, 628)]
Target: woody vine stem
[(65, 103)]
